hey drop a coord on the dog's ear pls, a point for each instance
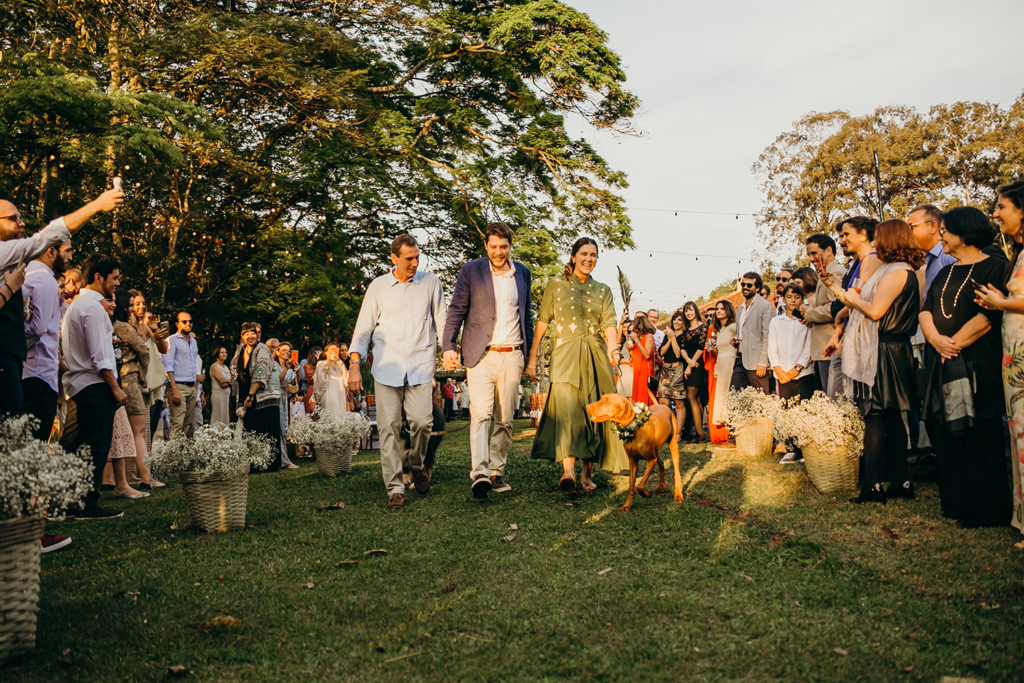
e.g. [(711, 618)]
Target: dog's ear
[(599, 410)]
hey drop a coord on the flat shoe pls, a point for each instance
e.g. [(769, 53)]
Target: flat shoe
[(149, 487), (131, 496), (567, 484), (291, 466), (587, 488)]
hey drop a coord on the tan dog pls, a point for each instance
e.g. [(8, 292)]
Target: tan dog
[(648, 441)]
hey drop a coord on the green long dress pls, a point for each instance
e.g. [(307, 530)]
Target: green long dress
[(579, 313)]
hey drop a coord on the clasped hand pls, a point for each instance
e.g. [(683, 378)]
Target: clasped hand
[(451, 360)]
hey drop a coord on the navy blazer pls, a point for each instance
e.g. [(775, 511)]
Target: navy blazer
[(473, 304)]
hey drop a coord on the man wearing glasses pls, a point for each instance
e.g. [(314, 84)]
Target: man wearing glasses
[(751, 340), (785, 275), (182, 365), (16, 250), (925, 222)]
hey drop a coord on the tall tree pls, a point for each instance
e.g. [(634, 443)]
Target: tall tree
[(273, 148), (824, 168)]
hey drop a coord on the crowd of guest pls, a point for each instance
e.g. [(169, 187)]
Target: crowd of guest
[(922, 326)]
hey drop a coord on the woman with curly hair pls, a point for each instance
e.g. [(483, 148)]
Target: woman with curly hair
[(878, 361)]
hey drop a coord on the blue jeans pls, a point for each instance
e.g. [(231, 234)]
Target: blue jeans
[(12, 400)]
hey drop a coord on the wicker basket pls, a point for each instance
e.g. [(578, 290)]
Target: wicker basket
[(334, 459), (830, 472), (217, 502), (754, 439), (19, 584)]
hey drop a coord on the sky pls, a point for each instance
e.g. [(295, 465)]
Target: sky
[(719, 81)]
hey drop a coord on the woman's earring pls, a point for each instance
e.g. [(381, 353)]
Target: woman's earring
[(863, 238)]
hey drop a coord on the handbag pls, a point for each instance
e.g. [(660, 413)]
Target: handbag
[(156, 376)]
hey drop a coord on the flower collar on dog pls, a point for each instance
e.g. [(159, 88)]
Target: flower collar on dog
[(641, 416)]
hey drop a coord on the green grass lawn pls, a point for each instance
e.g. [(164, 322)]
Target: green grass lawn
[(755, 577)]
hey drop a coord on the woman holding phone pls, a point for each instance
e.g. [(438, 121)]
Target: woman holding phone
[(962, 397), (1009, 214)]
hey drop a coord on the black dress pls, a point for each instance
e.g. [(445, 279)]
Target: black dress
[(895, 388), (972, 464), (693, 343)]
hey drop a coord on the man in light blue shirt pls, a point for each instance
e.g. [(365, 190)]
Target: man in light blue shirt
[(182, 365), (925, 221), (403, 314)]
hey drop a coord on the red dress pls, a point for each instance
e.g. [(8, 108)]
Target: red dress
[(642, 368), (719, 433)]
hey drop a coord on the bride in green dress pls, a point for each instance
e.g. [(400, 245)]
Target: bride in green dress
[(586, 341)]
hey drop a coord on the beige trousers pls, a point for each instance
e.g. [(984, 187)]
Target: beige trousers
[(493, 392), (181, 415), (417, 406)]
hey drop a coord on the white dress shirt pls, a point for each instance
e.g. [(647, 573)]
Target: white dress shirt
[(659, 338), (87, 342), (13, 251), (789, 344), (506, 306), (182, 358), (404, 320), (43, 326)]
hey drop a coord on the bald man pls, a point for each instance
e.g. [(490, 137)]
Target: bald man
[(15, 250)]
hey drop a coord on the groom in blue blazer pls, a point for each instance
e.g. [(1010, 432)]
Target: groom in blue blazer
[(492, 300)]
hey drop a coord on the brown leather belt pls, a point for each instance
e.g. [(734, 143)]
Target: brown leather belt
[(504, 349)]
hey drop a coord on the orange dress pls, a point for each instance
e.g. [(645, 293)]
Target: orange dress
[(642, 369), (719, 433)]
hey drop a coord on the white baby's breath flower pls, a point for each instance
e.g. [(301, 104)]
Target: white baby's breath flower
[(324, 429), (749, 405), (214, 448), (37, 477), (832, 424)]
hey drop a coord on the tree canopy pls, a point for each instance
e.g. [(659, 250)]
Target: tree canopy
[(824, 168), (271, 149)]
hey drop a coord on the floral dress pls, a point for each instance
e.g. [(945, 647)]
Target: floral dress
[(580, 374), (1013, 387)]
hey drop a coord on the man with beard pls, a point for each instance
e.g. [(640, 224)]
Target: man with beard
[(42, 327), (91, 382), (17, 249)]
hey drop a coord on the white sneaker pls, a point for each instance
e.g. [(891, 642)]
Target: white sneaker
[(789, 459)]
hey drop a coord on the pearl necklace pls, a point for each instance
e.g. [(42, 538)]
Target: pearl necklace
[(942, 297)]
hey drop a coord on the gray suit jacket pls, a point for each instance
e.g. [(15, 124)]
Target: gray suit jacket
[(754, 334)]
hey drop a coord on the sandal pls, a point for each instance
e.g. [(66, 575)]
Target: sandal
[(291, 466), (567, 484), (587, 488)]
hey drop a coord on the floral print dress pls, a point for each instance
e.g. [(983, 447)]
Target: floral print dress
[(1013, 386)]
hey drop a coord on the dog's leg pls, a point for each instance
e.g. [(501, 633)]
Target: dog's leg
[(661, 474), (674, 448), (642, 486), (632, 486)]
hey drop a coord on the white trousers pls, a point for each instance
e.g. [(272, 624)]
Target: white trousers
[(493, 392), (392, 403)]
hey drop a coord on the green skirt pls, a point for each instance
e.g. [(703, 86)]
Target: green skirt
[(565, 429)]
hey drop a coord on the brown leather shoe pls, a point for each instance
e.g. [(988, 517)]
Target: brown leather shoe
[(396, 501), (422, 481), (498, 484)]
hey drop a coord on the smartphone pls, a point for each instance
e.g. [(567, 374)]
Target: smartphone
[(816, 262), (165, 325), (295, 357), (975, 283)]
